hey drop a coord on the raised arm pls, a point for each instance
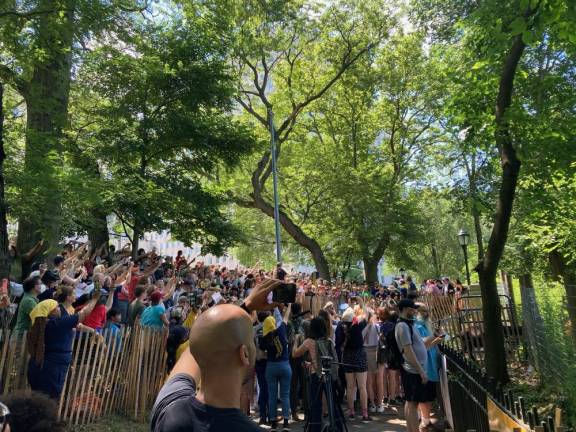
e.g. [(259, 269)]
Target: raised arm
[(287, 313), (89, 306), (171, 288), (186, 365), (110, 299), (29, 256), (152, 268)]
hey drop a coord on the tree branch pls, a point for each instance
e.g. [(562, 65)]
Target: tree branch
[(10, 77)]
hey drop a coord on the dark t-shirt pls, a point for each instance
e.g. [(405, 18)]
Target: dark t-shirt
[(281, 274), (177, 410), (353, 339)]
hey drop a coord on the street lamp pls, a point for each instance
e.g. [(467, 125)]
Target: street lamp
[(464, 239)]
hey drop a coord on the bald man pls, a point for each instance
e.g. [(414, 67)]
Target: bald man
[(221, 357)]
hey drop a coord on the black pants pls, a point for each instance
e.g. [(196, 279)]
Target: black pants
[(297, 385)]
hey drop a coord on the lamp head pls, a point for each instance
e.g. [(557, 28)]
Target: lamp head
[(463, 237)]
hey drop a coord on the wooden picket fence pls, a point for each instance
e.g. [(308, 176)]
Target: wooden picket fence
[(114, 372)]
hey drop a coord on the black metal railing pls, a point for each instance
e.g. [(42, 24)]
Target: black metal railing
[(470, 389)]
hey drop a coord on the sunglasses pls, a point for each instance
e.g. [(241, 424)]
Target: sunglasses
[(4, 416)]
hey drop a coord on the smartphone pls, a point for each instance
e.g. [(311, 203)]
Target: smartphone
[(285, 293), (216, 297)]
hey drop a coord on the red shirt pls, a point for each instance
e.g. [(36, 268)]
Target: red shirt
[(130, 287), (97, 317)]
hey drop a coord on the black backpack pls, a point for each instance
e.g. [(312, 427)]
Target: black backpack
[(389, 349)]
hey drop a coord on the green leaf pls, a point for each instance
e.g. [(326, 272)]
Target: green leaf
[(528, 37), (479, 64), (518, 26)]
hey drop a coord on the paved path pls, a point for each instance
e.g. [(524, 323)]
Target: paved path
[(380, 423)]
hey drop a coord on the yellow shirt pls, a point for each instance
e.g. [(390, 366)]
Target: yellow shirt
[(190, 319), (183, 347)]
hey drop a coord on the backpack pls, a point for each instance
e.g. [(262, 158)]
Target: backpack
[(325, 348), (391, 353), (258, 340)]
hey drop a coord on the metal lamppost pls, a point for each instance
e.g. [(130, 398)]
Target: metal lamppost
[(464, 239), (275, 183)]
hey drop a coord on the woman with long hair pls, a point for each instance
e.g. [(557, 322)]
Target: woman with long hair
[(50, 341), (354, 357), (371, 337), (278, 371), (391, 372), (318, 345)]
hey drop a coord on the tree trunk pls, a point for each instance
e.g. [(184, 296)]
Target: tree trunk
[(4, 261), (567, 274), (295, 232), (136, 239), (98, 230), (495, 353), (435, 262), (370, 271), (47, 115)]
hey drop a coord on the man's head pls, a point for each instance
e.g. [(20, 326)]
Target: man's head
[(50, 279), (114, 315), (58, 261), (140, 292), (221, 339), (32, 285), (407, 308)]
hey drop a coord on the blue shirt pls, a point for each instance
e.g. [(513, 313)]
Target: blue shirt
[(152, 316), (433, 354), (58, 337), (276, 344)]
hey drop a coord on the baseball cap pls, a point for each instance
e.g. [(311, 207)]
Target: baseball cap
[(407, 303)]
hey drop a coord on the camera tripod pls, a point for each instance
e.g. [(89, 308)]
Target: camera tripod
[(334, 424)]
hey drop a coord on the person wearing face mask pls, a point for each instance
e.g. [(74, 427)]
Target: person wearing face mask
[(414, 351), (424, 328)]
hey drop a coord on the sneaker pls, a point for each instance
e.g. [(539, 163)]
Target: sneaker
[(351, 416), (381, 409), (385, 401), (372, 408), (392, 402), (366, 418), (262, 421), (286, 426), (399, 400), (274, 426)]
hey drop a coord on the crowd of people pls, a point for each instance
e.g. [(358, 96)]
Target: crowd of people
[(381, 344)]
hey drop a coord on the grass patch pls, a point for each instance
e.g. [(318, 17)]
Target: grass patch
[(113, 423)]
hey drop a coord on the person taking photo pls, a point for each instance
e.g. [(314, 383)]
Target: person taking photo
[(221, 356)]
